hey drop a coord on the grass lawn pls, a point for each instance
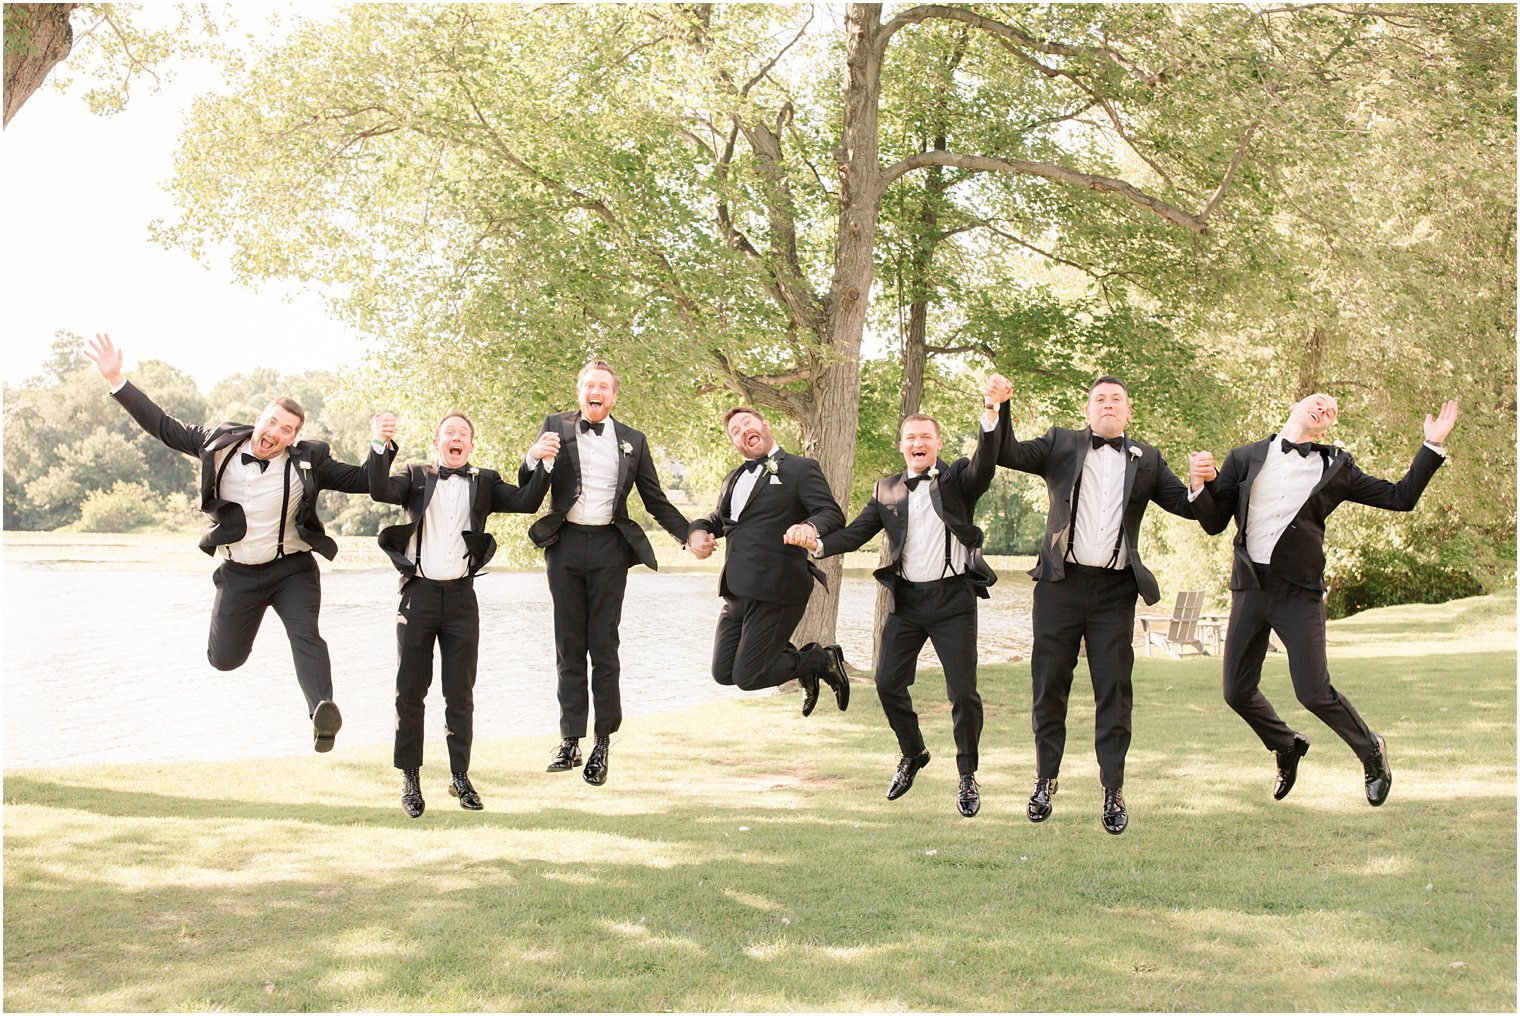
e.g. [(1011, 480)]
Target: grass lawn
[(742, 858)]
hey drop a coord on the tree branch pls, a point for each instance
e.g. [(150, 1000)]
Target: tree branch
[(1103, 184)]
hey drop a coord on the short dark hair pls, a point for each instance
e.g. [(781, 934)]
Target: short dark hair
[(290, 406), (455, 414), (598, 365), (1108, 379), (911, 417), (738, 410)]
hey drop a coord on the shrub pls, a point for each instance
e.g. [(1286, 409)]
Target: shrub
[(123, 508)]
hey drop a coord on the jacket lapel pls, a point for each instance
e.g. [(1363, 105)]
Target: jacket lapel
[(1334, 460), (1131, 466), (625, 464), (570, 431), (301, 461), (935, 497)]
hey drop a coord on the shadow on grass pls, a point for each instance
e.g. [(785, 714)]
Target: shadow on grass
[(742, 858)]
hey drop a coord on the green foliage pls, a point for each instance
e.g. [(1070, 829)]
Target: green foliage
[(123, 508), (118, 45)]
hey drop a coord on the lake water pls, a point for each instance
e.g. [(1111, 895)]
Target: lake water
[(107, 663)]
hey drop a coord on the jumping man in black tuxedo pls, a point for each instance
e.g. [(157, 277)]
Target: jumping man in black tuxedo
[(438, 551), (1280, 491), (259, 486), (1089, 572), (765, 583), (933, 578), (589, 544)]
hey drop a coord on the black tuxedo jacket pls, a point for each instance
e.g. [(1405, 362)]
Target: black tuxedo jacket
[(312, 460), (635, 469), (1299, 555), (412, 486), (954, 493), (758, 566), (1058, 455)]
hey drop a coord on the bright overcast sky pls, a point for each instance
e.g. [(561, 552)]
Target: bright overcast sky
[(80, 191)]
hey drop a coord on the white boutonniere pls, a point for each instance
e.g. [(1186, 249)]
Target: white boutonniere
[(627, 447), (771, 467), (1136, 452), (305, 464), (933, 472), (474, 470)]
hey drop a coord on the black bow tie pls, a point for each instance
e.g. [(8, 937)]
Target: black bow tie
[(444, 472), (249, 460), (1303, 449), (912, 482), (753, 466), (588, 425), (1116, 443)]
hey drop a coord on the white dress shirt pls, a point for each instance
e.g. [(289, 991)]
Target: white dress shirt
[(443, 555), (1100, 510), (744, 486), (261, 492), (923, 558), (599, 475)]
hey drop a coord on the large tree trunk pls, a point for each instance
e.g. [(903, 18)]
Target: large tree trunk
[(37, 38), (829, 429)]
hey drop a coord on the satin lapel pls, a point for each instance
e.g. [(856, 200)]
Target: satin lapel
[(1243, 499), (726, 496), (570, 430), (302, 464), (763, 481), (935, 498), (625, 464), (1131, 466), (1334, 466), (210, 467), (896, 504), (429, 481), (1078, 460)]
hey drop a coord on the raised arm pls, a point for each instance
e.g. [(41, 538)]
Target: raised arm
[(647, 479), (1025, 456), (824, 514), (526, 496), (182, 437)]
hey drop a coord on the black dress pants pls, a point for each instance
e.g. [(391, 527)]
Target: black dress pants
[(1298, 616), (445, 613), (588, 575), (944, 612), (750, 649), (1096, 604), (292, 585)]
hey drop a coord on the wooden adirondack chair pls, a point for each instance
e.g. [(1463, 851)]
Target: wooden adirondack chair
[(1179, 630)]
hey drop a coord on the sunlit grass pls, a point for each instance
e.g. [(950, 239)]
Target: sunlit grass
[(742, 858)]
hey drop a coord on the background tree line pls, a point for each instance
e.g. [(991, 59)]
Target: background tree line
[(841, 214)]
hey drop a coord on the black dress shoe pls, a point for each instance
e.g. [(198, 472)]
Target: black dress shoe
[(1287, 766), (566, 757), (1115, 817), (836, 676), (596, 764), (1379, 774), (411, 793), (968, 800), (326, 721), (460, 787), (1039, 801), (907, 768), (808, 681)]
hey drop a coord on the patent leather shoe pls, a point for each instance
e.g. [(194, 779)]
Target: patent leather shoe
[(596, 763), (326, 721), (808, 681), (907, 768), (836, 676), (460, 787), (566, 757), (968, 800), (1379, 774), (1115, 816), (411, 793), (1287, 766), (1039, 802)]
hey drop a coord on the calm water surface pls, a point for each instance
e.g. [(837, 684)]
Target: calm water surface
[(105, 663)]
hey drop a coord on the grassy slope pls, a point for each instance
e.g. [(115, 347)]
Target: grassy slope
[(743, 858)]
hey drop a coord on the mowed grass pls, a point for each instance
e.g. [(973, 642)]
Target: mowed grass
[(743, 858)]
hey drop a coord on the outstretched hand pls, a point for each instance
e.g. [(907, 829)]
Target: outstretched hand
[(1438, 427), (996, 390), (382, 426), (108, 359)]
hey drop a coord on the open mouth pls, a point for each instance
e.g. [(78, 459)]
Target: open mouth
[(266, 444)]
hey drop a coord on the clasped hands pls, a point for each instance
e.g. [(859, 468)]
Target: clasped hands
[(382, 428)]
